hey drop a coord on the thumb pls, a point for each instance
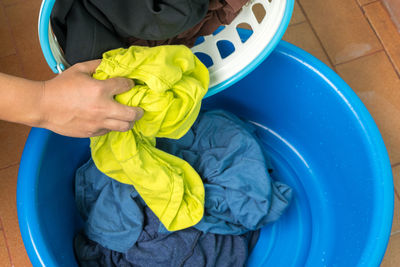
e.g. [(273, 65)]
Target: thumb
[(118, 85)]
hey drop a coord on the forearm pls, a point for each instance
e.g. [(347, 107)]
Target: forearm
[(20, 100)]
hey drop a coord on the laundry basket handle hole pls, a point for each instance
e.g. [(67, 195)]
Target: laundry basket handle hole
[(245, 31), (225, 48), (259, 12)]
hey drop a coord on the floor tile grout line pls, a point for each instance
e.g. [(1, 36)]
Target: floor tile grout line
[(12, 4), (389, 16), (366, 55), (13, 54), (387, 54), (9, 166), (396, 193), (316, 35), (9, 28), (6, 241), (369, 54), (297, 23), (363, 5), (395, 165), (372, 28), (21, 66), (377, 35), (394, 233)]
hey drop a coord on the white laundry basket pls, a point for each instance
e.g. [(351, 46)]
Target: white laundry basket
[(229, 53)]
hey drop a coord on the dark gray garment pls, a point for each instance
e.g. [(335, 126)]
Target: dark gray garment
[(87, 28), (148, 19), (188, 247)]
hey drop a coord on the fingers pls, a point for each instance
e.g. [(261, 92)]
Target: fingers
[(124, 113), (96, 133), (107, 125), (115, 86), (88, 66), (117, 125), (121, 118)]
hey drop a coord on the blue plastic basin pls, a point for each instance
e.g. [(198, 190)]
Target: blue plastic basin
[(322, 142)]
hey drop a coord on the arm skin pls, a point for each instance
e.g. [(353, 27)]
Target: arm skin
[(72, 104)]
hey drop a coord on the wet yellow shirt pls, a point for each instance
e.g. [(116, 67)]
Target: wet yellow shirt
[(170, 83)]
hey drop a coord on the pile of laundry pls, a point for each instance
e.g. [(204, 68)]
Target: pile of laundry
[(240, 198), (87, 28), (184, 187)]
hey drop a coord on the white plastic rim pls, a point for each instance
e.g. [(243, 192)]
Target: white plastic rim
[(245, 53)]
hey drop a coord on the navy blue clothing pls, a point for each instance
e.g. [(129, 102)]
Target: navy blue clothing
[(188, 247)]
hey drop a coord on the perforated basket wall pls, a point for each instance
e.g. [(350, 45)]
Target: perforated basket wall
[(229, 53), (230, 50)]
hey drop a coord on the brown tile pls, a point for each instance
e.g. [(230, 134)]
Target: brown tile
[(13, 137), (364, 2), (297, 16), (8, 213), (392, 256), (11, 65), (342, 28), (4, 257), (303, 36), (393, 7), (396, 213), (396, 179), (377, 84), (23, 19), (10, 2), (386, 31), (7, 42), (396, 216)]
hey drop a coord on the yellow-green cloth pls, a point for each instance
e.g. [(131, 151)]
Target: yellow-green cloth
[(170, 82)]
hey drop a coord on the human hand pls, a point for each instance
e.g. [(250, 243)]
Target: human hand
[(77, 105)]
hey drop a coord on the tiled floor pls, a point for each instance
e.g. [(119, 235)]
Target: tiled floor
[(354, 37)]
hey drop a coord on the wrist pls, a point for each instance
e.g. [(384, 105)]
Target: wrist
[(38, 117), (34, 107)]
